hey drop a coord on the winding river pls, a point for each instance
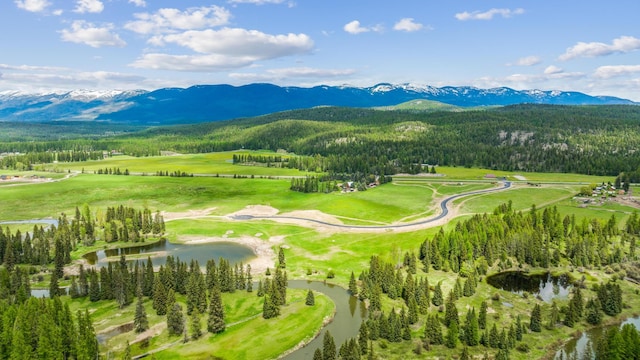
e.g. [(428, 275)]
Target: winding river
[(350, 312)]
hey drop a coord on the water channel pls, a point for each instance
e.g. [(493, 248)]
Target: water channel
[(350, 312), (576, 347)]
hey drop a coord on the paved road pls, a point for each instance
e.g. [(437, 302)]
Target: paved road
[(444, 207)]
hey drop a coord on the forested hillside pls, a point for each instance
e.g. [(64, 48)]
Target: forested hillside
[(599, 140)]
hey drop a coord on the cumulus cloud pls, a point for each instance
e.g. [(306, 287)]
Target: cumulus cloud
[(204, 63), (552, 69), (623, 44), (272, 75), (169, 19), (609, 71), (408, 25), (32, 5), (138, 3), (83, 32), (242, 42), (528, 61), (354, 27), (223, 49), (89, 6), (488, 15)]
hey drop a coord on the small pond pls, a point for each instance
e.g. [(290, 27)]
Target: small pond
[(158, 252), (544, 286), (575, 348)]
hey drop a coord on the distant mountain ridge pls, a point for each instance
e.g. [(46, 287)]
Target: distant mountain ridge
[(221, 102)]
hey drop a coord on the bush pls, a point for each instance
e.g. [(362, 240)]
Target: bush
[(331, 274), (495, 297), (523, 347)]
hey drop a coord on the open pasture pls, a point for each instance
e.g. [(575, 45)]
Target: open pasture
[(208, 163)]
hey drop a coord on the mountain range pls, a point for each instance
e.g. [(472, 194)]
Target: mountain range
[(203, 103)]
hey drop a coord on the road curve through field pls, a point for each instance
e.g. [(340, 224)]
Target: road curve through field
[(444, 207)]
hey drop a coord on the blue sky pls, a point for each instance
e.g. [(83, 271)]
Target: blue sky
[(589, 46)]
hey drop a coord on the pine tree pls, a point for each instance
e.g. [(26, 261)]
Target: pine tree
[(310, 298), (464, 355), (471, 330), (494, 337), (329, 351), (437, 298), (159, 297), (594, 312), (317, 355), (270, 308), (519, 328), (353, 287), (127, 352), (175, 320), (536, 319), (482, 316), (281, 260), (433, 331), (216, 323), (363, 337), (249, 279), (196, 326), (451, 311), (451, 340), (140, 321), (554, 316)]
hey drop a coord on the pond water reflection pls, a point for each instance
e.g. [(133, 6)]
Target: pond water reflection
[(544, 286)]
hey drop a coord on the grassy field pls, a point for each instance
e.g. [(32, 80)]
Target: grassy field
[(210, 163), (252, 336), (310, 254)]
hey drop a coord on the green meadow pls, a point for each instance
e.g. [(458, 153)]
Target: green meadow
[(310, 253), (209, 163)]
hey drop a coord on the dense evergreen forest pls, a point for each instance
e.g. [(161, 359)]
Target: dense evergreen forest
[(598, 140)]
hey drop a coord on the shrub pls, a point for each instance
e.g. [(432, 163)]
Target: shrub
[(523, 347)]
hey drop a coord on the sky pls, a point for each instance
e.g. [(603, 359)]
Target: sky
[(571, 45)]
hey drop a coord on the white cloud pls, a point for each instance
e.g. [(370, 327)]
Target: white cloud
[(227, 48), (609, 71), (552, 69), (488, 15), (32, 5), (204, 63), (31, 78), (168, 19), (241, 42), (528, 61), (138, 3), (273, 75), (89, 6), (623, 44), (83, 32), (57, 12), (408, 25), (354, 27)]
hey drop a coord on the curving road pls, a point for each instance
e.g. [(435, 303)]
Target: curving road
[(443, 206)]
